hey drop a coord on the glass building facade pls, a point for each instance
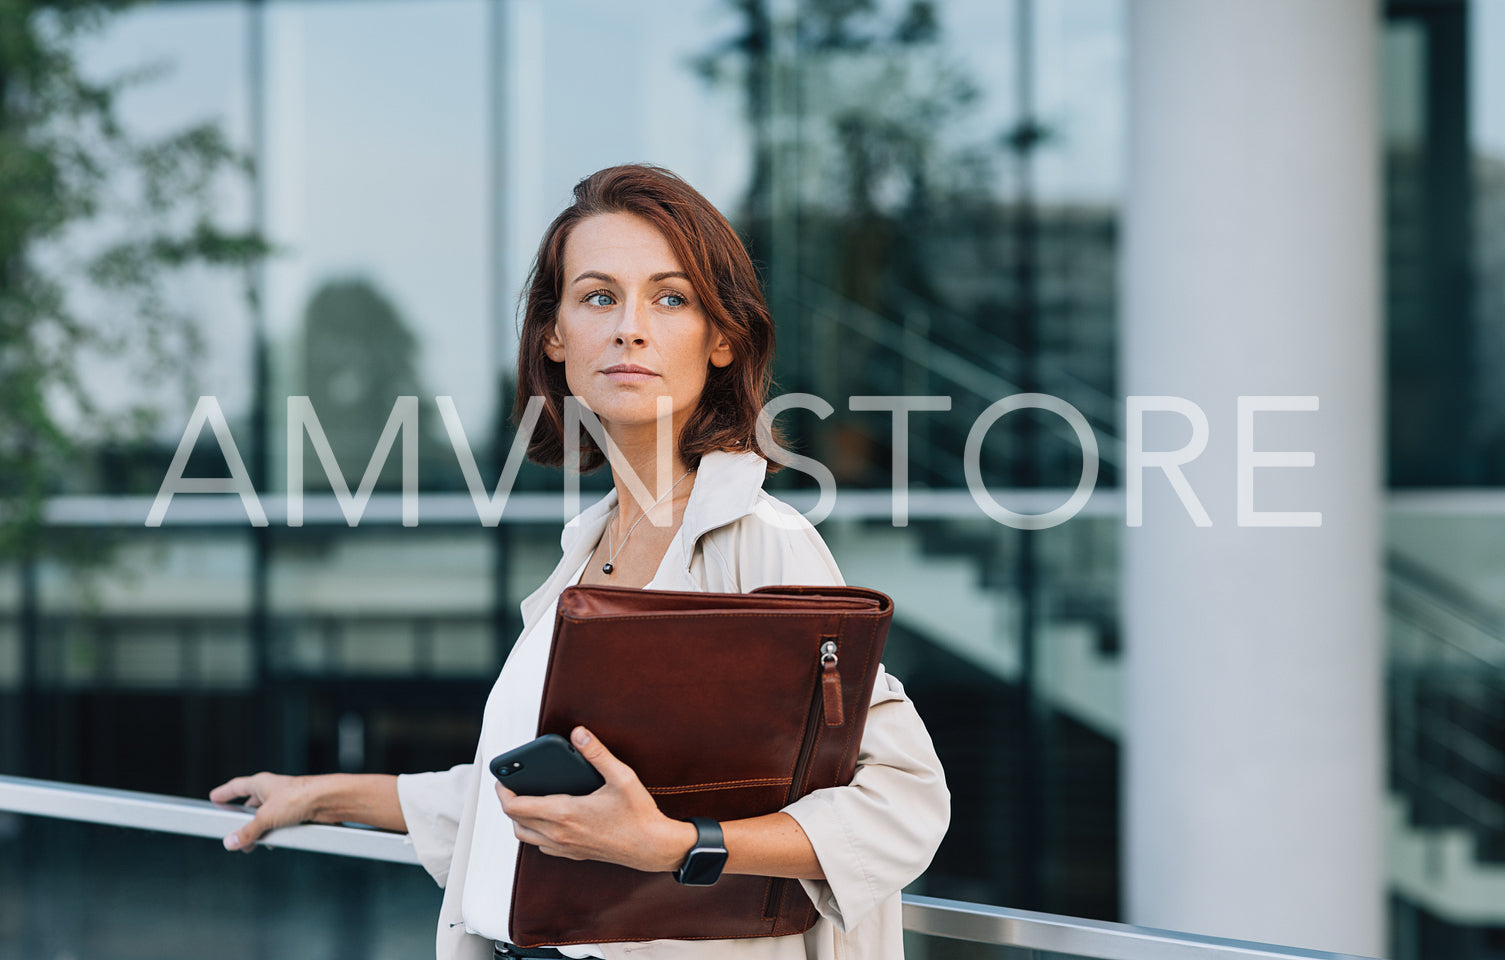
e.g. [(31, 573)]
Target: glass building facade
[(932, 190)]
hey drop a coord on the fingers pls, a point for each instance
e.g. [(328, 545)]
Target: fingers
[(245, 838), (527, 834), (228, 792), (535, 820), (546, 832), (518, 807), (592, 749), (231, 790), (268, 795)]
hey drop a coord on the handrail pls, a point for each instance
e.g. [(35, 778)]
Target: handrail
[(190, 817), (1406, 611), (1446, 595), (1077, 936), (945, 363), (953, 919), (1436, 622), (1052, 368)]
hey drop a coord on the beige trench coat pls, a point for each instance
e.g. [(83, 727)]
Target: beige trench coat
[(872, 837)]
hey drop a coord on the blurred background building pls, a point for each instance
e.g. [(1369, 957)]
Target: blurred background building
[(961, 198)]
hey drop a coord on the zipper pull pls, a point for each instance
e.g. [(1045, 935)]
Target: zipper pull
[(830, 682)]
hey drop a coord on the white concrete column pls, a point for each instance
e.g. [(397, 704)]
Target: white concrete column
[(1253, 765)]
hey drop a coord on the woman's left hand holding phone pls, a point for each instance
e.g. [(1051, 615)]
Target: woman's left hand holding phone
[(618, 823)]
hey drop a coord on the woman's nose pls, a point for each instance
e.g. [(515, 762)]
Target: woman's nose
[(632, 326)]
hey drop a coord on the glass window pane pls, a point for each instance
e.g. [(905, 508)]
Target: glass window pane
[(190, 64), (1487, 128), (641, 99), (378, 190)]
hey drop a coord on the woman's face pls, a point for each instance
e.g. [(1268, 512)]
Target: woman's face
[(630, 328)]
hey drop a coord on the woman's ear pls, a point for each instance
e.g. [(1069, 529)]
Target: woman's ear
[(721, 354), (553, 346)]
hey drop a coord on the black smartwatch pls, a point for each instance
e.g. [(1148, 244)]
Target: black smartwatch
[(703, 864)]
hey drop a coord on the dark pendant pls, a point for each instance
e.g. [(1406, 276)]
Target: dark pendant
[(607, 567)]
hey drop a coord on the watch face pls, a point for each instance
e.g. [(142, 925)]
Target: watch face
[(703, 866)]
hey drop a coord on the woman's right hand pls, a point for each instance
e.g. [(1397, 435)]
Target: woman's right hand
[(278, 801)]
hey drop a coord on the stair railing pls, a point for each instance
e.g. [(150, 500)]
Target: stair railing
[(1447, 669), (949, 366)]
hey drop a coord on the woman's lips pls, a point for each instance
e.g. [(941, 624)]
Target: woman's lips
[(629, 373)]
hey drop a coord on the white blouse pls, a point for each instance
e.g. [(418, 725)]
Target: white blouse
[(510, 720)]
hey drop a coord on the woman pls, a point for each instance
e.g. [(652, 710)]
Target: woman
[(644, 306)]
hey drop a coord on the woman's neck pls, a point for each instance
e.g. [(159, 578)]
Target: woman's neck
[(643, 460)]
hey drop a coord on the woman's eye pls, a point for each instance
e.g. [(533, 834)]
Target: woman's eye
[(673, 300), (599, 299)]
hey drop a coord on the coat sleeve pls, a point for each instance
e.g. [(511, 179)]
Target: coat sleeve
[(432, 806), (878, 833)]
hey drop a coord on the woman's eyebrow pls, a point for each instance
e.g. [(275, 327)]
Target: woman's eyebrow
[(595, 275), (607, 278)]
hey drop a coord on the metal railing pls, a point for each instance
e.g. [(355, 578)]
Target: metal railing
[(1447, 665), (951, 919), (982, 380)]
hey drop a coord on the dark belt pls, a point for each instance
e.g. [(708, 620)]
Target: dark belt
[(509, 951)]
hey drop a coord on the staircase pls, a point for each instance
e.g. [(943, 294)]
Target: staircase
[(952, 585), (944, 598), (955, 637), (1447, 746), (1446, 696)]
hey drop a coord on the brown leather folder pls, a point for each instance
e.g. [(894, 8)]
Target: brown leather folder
[(727, 706)]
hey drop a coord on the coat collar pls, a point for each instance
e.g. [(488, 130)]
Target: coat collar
[(726, 489), (727, 486)]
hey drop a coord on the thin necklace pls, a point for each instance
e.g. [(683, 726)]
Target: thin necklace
[(609, 566)]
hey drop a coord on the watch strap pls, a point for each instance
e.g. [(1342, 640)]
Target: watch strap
[(703, 864)]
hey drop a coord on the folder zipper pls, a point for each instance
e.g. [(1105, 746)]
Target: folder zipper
[(827, 687), (830, 685), (825, 702)]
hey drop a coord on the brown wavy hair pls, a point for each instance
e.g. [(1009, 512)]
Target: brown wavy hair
[(723, 278)]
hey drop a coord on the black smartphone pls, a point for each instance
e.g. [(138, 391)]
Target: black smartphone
[(544, 767)]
